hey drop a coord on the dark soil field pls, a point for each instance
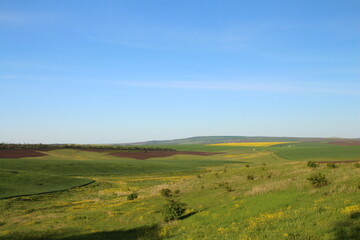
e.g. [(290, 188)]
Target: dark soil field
[(19, 153), (346, 142), (157, 154)]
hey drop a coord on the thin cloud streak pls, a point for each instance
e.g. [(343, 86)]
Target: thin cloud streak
[(25, 19), (280, 87)]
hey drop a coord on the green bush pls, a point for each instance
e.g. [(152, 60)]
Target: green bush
[(226, 186), (173, 210), (132, 196), (312, 164), (177, 192), (247, 165), (250, 177), (357, 165), (166, 192), (331, 165), (318, 180)]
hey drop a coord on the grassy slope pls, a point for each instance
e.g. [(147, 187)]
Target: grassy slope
[(14, 183), (318, 152), (77, 163), (50, 173), (279, 204)]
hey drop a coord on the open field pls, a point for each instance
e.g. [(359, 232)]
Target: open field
[(154, 154), (250, 144), (21, 153), (238, 193)]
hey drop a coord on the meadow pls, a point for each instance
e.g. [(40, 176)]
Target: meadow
[(259, 191)]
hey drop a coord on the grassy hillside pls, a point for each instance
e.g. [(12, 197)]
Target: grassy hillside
[(225, 139), (13, 183), (80, 163), (317, 152), (240, 194)]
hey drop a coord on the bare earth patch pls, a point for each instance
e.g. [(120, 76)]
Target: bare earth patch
[(20, 153), (346, 142)]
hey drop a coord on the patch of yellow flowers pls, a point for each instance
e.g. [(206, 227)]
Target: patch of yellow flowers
[(351, 209), (255, 221)]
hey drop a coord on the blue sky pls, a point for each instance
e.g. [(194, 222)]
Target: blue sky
[(124, 71)]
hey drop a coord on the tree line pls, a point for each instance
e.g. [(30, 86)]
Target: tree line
[(41, 146)]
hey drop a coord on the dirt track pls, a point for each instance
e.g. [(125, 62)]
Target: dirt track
[(19, 153), (153, 154)]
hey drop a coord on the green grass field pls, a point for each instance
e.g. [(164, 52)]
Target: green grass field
[(223, 202)]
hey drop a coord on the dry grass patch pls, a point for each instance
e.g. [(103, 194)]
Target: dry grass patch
[(268, 187)]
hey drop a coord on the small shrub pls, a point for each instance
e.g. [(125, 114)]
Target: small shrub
[(198, 176), (132, 196), (250, 177), (177, 192), (318, 180), (269, 176), (173, 210), (297, 236), (229, 188), (312, 164), (247, 165), (331, 165), (165, 192), (357, 165), (355, 215), (226, 186)]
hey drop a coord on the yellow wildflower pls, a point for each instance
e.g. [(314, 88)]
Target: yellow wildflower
[(351, 209)]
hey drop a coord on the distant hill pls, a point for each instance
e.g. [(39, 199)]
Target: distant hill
[(225, 139)]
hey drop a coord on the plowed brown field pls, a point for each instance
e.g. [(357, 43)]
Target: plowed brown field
[(20, 153), (346, 143)]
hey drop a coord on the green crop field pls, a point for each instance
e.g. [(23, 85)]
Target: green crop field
[(240, 193)]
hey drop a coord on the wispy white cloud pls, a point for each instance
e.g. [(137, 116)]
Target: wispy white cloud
[(6, 17), (252, 86), (11, 18), (22, 19)]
